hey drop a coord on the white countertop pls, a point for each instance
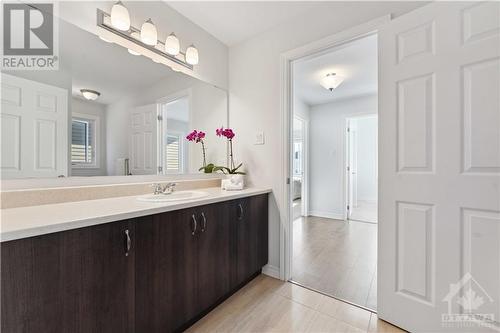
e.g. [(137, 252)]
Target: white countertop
[(31, 221)]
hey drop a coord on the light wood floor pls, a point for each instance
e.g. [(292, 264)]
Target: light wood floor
[(337, 258), (270, 305)]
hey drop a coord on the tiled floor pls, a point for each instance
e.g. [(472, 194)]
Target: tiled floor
[(364, 211), (270, 305), (336, 257)]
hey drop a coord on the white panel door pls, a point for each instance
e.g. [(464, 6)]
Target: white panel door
[(34, 122), (144, 140), (439, 207)]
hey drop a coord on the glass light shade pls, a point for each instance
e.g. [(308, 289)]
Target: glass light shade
[(104, 39), (331, 81), (192, 55), (120, 19), (172, 45), (91, 95), (149, 35), (133, 52)]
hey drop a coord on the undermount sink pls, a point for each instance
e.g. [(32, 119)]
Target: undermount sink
[(174, 196)]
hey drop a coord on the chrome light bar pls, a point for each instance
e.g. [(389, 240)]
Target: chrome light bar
[(127, 40)]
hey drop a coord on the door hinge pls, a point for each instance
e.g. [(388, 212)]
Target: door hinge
[(348, 207), (348, 168), (160, 169), (159, 117), (348, 129), (288, 181)]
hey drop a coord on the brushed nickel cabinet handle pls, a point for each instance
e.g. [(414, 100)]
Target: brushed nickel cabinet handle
[(204, 225), (240, 206), (194, 225), (128, 242)]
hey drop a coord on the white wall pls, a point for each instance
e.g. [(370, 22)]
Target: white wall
[(327, 153), (254, 78), (213, 65), (367, 158), (94, 109)]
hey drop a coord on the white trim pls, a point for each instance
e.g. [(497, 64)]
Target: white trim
[(271, 271), (286, 110), (97, 141), (327, 215), (346, 147)]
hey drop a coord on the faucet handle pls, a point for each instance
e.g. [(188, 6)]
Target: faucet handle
[(157, 189)]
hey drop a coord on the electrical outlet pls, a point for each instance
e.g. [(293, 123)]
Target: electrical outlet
[(259, 138)]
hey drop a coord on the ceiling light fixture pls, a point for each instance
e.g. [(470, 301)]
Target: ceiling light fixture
[(192, 55), (144, 41), (120, 19), (331, 81), (89, 94), (149, 35), (106, 40), (172, 45)]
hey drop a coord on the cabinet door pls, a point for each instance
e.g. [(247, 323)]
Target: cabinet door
[(165, 271), (97, 275), (213, 254), (31, 298), (250, 216), (73, 281), (258, 210)]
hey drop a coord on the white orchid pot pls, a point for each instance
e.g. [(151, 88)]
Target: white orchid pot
[(233, 182)]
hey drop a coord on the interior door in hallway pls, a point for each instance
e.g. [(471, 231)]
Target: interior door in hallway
[(439, 113)]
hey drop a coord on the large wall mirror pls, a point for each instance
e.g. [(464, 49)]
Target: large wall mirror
[(53, 127)]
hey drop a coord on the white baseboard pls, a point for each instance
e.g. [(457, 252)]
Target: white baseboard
[(271, 271), (327, 215)]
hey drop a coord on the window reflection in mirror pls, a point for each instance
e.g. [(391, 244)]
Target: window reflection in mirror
[(137, 125)]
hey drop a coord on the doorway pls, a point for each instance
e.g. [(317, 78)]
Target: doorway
[(332, 252), (362, 168)]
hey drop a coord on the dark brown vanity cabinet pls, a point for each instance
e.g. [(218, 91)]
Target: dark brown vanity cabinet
[(156, 273), (80, 280)]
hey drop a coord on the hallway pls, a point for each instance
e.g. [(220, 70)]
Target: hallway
[(337, 258)]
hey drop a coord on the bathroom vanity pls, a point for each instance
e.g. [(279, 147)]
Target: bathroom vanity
[(158, 270)]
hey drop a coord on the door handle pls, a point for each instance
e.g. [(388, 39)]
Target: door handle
[(204, 225), (240, 206), (194, 224), (128, 242)]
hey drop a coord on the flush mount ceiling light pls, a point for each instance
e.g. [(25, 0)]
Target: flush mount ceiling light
[(89, 94), (331, 81), (149, 35), (192, 55), (144, 41), (172, 45), (120, 19)]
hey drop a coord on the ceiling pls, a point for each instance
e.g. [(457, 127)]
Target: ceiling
[(235, 21), (355, 61)]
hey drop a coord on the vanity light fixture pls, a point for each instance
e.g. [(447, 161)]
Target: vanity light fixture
[(145, 41), (331, 81), (132, 52), (89, 94), (120, 19), (149, 35), (106, 40), (192, 55), (172, 45)]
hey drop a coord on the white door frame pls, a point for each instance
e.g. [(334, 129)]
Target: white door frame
[(345, 181), (186, 93), (286, 118), (304, 209)]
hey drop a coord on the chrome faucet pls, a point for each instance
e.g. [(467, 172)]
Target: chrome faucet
[(159, 189)]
